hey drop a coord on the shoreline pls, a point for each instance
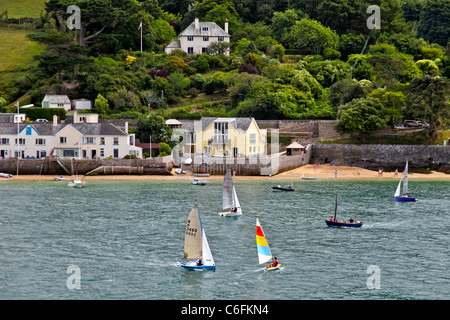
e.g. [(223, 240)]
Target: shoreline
[(323, 172)]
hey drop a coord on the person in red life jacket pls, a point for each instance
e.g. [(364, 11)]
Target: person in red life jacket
[(275, 262)]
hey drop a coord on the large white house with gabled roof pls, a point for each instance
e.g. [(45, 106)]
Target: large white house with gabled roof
[(196, 38), (82, 138)]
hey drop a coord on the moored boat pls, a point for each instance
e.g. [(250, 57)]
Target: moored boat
[(403, 196), (285, 188)]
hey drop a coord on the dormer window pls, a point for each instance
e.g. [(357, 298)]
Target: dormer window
[(205, 29)]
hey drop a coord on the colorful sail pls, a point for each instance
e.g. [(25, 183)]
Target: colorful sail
[(264, 254)]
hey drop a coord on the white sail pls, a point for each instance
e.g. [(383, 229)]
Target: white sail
[(236, 203), (193, 235), (227, 197), (405, 180), (208, 259), (397, 192)]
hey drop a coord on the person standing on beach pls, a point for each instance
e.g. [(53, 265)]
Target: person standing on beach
[(314, 166), (335, 174)]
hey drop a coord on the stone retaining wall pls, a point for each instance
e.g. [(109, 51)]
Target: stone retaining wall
[(388, 157)]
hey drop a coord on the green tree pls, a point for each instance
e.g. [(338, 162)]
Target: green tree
[(164, 149), (434, 25), (155, 127), (124, 100), (101, 105), (393, 103), (361, 117), (429, 99), (311, 33)]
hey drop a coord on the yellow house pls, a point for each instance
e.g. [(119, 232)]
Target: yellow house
[(230, 137)]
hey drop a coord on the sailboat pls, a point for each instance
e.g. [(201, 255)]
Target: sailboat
[(229, 197), (196, 244), (264, 254), (404, 196), (333, 222)]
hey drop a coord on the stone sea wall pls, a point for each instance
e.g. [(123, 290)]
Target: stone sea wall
[(387, 157), (68, 166)]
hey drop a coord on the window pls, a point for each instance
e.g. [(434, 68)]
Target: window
[(40, 141), (41, 154), (60, 105), (102, 152), (102, 140), (205, 29), (220, 39), (116, 153), (21, 141), (116, 141), (190, 38), (205, 38), (252, 138), (190, 50), (204, 50), (88, 140), (220, 132), (4, 141), (62, 140)]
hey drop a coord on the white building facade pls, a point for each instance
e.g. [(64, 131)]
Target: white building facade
[(196, 38)]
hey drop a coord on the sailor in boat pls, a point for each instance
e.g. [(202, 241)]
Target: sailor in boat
[(199, 262), (234, 209), (351, 220), (275, 262)]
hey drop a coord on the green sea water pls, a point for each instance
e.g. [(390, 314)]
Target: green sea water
[(126, 241)]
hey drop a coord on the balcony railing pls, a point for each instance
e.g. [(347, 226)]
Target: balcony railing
[(219, 140)]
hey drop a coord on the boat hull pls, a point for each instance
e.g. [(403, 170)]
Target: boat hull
[(341, 224), (230, 214), (405, 199), (282, 189), (271, 268), (192, 265)]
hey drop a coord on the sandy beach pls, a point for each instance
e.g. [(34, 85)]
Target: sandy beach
[(323, 172)]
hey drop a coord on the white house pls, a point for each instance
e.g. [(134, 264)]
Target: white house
[(196, 38), (80, 139), (81, 104), (56, 101)]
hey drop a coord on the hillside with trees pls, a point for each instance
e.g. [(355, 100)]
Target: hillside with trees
[(289, 60)]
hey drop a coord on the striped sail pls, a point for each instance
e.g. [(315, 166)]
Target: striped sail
[(264, 254)]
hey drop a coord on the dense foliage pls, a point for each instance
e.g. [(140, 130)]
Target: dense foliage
[(289, 60)]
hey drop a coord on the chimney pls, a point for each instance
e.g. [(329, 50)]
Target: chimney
[(55, 120), (226, 26), (126, 127), (196, 23), (75, 117)]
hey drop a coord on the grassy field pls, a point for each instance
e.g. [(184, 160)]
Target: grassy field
[(16, 50), (22, 8)]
